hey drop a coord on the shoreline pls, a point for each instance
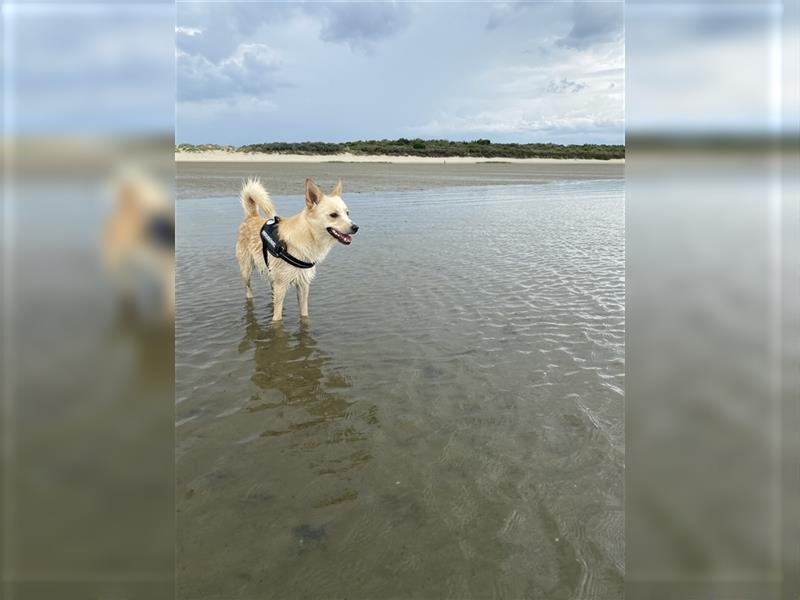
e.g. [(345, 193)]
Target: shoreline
[(245, 157)]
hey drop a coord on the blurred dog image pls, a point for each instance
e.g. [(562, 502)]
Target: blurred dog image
[(303, 239), (139, 242)]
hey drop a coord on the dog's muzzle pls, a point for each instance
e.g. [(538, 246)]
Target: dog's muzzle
[(342, 238)]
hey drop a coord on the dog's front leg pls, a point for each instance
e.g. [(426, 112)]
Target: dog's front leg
[(302, 299), (278, 294)]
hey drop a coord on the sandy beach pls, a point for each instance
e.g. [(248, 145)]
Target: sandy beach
[(221, 156)]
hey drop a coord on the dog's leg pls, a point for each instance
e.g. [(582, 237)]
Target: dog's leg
[(246, 269), (278, 293), (302, 299)]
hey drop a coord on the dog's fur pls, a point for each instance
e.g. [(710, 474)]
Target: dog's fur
[(307, 234)]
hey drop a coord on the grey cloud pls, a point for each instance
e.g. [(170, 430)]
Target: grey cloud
[(251, 70), (594, 23), (216, 30), (360, 25), (564, 86)]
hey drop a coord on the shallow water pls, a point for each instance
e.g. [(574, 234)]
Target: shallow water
[(448, 424)]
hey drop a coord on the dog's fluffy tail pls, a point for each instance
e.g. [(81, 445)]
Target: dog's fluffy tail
[(253, 197)]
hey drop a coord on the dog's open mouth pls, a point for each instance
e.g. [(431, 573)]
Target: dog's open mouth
[(341, 237)]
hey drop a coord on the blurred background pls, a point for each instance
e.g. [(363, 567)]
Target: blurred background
[(87, 271), (711, 305), (712, 299)]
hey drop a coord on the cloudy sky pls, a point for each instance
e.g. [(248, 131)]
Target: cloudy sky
[(518, 72)]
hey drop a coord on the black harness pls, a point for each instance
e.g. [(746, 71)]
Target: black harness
[(272, 244), (162, 231)]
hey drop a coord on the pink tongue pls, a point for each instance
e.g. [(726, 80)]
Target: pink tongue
[(347, 238)]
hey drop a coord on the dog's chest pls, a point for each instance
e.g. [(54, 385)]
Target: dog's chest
[(303, 276), (291, 275)]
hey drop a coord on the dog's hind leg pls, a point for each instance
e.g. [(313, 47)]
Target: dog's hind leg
[(278, 294)]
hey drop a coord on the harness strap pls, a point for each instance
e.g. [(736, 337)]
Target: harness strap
[(272, 244)]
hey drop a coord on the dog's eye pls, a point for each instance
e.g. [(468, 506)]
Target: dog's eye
[(333, 215)]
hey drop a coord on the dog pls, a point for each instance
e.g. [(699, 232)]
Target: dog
[(138, 242), (308, 236)]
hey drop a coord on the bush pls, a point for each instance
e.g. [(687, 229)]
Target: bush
[(441, 148)]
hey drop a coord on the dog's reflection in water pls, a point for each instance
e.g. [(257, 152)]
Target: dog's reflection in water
[(311, 407)]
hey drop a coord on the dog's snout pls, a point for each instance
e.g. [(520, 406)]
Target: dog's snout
[(353, 228)]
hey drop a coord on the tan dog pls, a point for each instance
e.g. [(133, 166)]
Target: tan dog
[(139, 240), (309, 236)]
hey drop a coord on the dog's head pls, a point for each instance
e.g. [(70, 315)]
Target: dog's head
[(328, 213)]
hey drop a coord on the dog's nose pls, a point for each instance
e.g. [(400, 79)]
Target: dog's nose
[(353, 227)]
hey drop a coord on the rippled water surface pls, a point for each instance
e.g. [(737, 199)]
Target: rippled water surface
[(448, 424)]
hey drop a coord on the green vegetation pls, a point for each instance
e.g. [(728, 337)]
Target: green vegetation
[(481, 148), (203, 148)]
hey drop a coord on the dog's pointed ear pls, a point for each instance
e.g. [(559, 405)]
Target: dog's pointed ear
[(313, 193), (337, 189)]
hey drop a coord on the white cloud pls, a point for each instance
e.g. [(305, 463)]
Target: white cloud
[(575, 90), (190, 31)]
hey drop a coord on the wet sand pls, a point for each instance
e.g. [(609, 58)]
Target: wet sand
[(204, 179)]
